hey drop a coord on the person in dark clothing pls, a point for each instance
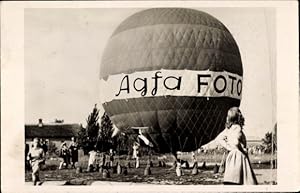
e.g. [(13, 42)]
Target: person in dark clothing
[(65, 155), (45, 146), (73, 147)]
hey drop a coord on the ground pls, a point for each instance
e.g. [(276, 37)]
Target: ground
[(159, 175)]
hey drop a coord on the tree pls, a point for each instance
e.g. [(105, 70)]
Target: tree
[(92, 128), (87, 137), (104, 140), (270, 140), (92, 124), (275, 137), (82, 139)]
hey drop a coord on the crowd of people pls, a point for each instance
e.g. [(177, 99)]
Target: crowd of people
[(100, 159), (36, 156), (69, 154), (238, 168)]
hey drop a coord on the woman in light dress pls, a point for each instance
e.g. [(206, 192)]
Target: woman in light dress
[(92, 159), (36, 157), (238, 169)]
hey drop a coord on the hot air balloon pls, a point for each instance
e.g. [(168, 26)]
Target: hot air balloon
[(173, 71)]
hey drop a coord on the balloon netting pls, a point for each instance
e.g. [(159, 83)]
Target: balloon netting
[(173, 123)]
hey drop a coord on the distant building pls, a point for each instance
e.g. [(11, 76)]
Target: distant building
[(52, 132), (254, 142)]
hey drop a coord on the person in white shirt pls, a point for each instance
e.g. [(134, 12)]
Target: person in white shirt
[(136, 154), (92, 159), (36, 157), (238, 168)]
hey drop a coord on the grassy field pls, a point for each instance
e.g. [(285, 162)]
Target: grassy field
[(216, 158), (160, 175)]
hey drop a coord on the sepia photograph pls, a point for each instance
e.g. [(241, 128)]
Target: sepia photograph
[(149, 96), (155, 96)]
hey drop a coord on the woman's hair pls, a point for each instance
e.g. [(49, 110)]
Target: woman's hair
[(234, 116)]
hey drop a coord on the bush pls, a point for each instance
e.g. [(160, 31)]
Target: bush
[(270, 142)]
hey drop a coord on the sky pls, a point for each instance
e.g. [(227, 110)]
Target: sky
[(63, 50)]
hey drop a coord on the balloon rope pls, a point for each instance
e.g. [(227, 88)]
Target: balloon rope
[(215, 156), (199, 144), (169, 142), (186, 138), (179, 143), (118, 150), (223, 158)]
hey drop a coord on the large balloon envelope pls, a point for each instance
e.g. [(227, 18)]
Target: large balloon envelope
[(174, 71)]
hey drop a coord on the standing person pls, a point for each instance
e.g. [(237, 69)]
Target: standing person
[(44, 146), (238, 169), (92, 160), (74, 152), (111, 157), (101, 159), (194, 160), (136, 154), (64, 154), (36, 157)]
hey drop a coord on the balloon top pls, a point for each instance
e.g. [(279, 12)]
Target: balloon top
[(170, 38), (157, 16)]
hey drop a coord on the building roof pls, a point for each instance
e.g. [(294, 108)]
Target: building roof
[(51, 130)]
